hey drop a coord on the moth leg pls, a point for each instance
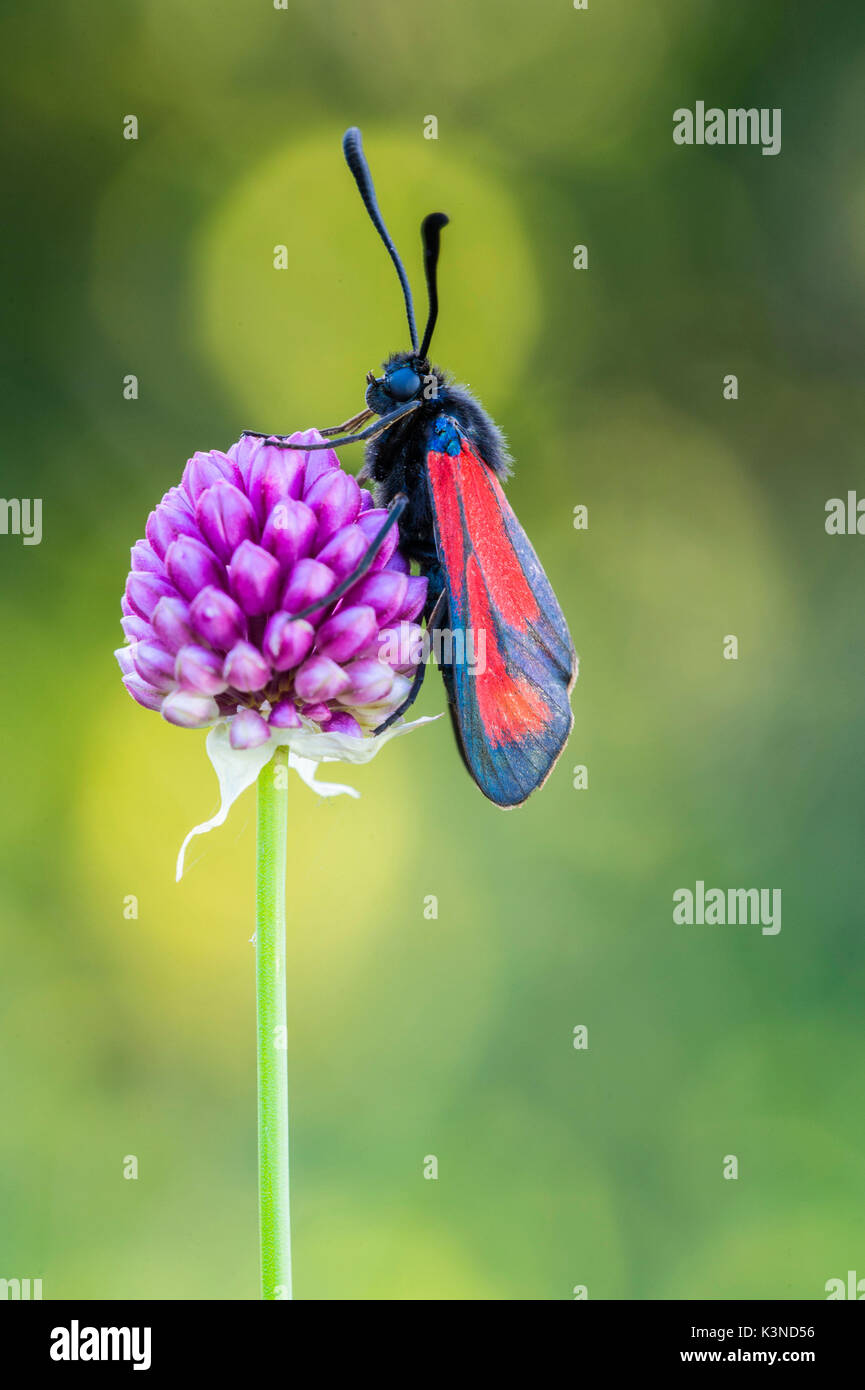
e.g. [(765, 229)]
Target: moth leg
[(383, 423), (438, 609), (395, 511), (352, 424), (407, 702)]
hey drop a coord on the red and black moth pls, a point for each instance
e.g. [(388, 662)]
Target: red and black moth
[(436, 460)]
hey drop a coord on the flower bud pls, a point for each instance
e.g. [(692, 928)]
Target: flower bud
[(371, 523), (203, 470), (136, 629), (216, 619), (146, 695), (396, 696), (198, 669), (191, 566), (287, 641), (289, 532), (346, 633), (154, 664), (171, 623), (144, 590), (273, 476), (401, 646), (368, 682), (309, 580), (255, 578), (345, 724), (335, 499), (249, 540), (145, 559), (244, 453), (124, 657), (383, 590), (248, 729), (415, 596), (172, 518), (319, 678), (245, 668), (189, 711), (226, 518), (318, 461), (344, 551), (284, 715), (320, 713)]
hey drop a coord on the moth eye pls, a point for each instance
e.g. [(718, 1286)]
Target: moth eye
[(403, 383)]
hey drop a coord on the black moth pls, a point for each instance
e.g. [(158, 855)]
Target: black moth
[(435, 459)]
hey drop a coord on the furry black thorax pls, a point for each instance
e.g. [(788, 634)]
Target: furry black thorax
[(396, 461)]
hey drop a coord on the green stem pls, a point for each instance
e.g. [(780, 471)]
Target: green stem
[(274, 1223)]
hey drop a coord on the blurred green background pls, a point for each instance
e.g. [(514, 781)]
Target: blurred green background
[(453, 1037)]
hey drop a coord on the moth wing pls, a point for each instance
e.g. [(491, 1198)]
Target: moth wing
[(512, 663)]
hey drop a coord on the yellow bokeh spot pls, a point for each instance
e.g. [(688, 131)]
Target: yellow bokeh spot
[(292, 346)]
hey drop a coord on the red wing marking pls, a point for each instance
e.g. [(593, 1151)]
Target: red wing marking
[(509, 706), (484, 503), (466, 478), (447, 509)]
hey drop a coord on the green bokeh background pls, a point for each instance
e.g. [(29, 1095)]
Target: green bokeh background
[(453, 1037)]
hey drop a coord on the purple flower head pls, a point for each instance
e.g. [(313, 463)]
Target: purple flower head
[(231, 556)]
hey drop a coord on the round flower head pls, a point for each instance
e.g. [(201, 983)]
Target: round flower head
[(250, 539)]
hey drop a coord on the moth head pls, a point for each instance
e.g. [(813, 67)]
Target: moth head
[(402, 380)]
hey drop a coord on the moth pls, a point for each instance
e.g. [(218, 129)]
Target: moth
[(437, 462)]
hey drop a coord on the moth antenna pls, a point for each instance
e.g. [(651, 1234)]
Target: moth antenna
[(355, 158), (430, 231)]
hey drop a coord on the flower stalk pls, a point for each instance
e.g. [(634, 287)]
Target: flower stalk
[(273, 1166), (247, 543)]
